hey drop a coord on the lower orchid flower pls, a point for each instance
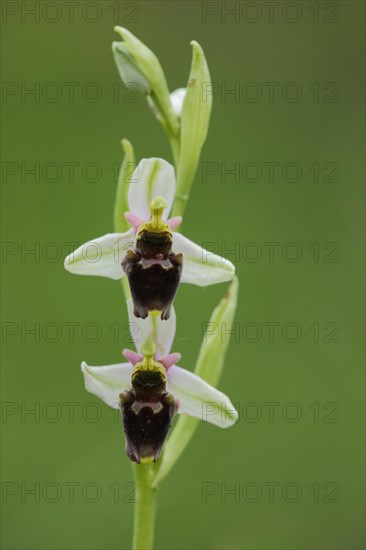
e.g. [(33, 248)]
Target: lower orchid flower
[(150, 389), (151, 241)]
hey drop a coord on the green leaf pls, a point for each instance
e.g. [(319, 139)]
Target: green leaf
[(211, 357), (175, 446), (124, 179), (209, 366), (194, 126)]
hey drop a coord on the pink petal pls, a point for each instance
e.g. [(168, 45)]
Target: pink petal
[(174, 222), (133, 220), (131, 356), (170, 360)]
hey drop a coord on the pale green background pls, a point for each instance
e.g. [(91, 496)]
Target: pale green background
[(305, 292)]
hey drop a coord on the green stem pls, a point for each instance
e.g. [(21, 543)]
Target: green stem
[(174, 141), (145, 508), (180, 204), (181, 198)]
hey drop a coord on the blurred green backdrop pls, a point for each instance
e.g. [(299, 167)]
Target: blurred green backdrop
[(294, 461)]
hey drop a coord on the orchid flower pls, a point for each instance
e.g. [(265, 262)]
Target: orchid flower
[(150, 198), (150, 388)]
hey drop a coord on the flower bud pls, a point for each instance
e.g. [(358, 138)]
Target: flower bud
[(177, 100), (137, 63), (128, 70)]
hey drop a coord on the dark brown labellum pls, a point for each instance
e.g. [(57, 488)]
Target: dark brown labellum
[(153, 272), (147, 413)]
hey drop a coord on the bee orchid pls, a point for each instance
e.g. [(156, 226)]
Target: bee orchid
[(154, 256), (150, 389)]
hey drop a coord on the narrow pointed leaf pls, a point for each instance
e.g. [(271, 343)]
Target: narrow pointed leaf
[(211, 357), (209, 367), (194, 125), (121, 203)]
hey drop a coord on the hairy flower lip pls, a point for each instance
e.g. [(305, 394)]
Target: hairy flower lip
[(154, 273), (146, 424)]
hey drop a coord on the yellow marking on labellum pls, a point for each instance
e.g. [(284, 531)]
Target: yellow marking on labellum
[(146, 459), (155, 313)]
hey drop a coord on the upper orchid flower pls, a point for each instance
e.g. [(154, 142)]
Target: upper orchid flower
[(150, 198), (150, 389), (152, 268)]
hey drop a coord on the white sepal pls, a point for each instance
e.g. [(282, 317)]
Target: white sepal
[(101, 256), (200, 400), (200, 266), (108, 382), (153, 177)]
